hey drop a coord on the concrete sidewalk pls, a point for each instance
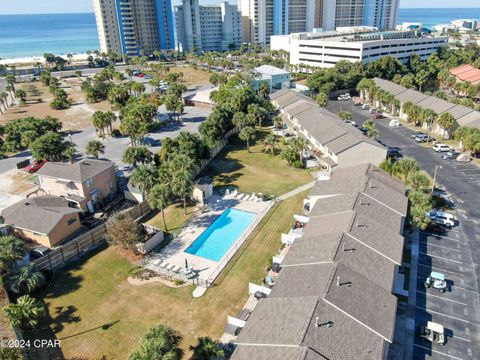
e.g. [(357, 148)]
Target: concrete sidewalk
[(412, 298), (297, 191)]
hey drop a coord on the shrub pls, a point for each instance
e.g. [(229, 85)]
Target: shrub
[(178, 282)]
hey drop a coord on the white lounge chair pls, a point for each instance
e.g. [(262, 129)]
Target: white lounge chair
[(172, 267), (227, 192), (234, 193), (164, 264)]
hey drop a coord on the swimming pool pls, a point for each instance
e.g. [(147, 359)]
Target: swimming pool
[(217, 239)]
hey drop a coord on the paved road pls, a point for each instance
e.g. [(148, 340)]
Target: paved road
[(455, 253)]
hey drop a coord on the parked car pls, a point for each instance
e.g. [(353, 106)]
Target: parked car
[(148, 77), (450, 155), (423, 138), (351, 122), (34, 166), (394, 153), (442, 218), (440, 147), (39, 251), (357, 103), (413, 135), (148, 141), (372, 111), (394, 123), (344, 97), (378, 116), (365, 107)]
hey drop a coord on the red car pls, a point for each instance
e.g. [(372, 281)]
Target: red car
[(141, 75), (34, 165)]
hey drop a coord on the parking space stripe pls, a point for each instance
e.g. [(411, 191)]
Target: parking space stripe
[(439, 246), (461, 288), (460, 338), (438, 352), (448, 316), (440, 257), (440, 236), (439, 297), (433, 267)]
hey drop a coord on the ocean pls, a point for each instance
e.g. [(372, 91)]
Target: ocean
[(34, 35)]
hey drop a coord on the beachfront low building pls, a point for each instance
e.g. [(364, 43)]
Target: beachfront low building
[(466, 73), (333, 143), (87, 184), (463, 115), (45, 220), (275, 77), (325, 49), (333, 297)]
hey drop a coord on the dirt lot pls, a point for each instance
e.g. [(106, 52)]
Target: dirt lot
[(16, 182), (78, 116), (192, 76)]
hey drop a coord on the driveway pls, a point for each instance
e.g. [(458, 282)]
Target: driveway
[(456, 253)]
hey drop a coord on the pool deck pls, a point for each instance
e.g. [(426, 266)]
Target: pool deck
[(170, 260)]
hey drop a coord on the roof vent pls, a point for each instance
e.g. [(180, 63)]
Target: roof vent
[(347, 283), (363, 202), (348, 249), (373, 186), (361, 225), (27, 203), (327, 324)]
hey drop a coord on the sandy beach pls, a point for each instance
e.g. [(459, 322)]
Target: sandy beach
[(40, 59)]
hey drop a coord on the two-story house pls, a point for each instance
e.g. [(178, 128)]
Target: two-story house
[(86, 184)]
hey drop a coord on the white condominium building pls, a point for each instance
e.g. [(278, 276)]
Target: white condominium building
[(207, 27), (131, 27), (325, 49), (264, 18)]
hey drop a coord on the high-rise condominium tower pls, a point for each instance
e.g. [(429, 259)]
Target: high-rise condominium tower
[(207, 27), (264, 18), (131, 26)]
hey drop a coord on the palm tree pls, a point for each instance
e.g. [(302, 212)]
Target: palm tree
[(270, 144), (159, 343), (182, 184), (388, 165), (406, 166), (25, 314), (3, 99), (159, 198), (69, 151), (418, 181), (345, 115), (322, 99), (11, 249), (26, 279), (99, 122), (428, 117), (447, 122), (299, 145), (206, 349), (145, 176), (94, 148), (137, 154), (364, 86), (22, 94), (247, 134), (372, 131)]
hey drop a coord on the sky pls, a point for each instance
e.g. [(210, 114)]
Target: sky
[(75, 6)]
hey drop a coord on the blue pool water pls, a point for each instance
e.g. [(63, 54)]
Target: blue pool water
[(214, 242)]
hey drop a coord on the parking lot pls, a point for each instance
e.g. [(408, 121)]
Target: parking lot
[(455, 252)]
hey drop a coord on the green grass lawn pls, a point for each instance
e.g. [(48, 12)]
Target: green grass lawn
[(254, 171), (94, 293), (175, 217)]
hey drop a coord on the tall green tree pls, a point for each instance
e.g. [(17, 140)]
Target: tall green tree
[(206, 349), (25, 314), (159, 198), (322, 100), (371, 128), (247, 134), (48, 147), (26, 279), (11, 249), (447, 122), (137, 154), (145, 177), (159, 343), (94, 148)]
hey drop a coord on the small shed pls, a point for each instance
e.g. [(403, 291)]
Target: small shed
[(202, 190)]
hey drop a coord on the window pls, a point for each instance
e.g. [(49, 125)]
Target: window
[(89, 182)]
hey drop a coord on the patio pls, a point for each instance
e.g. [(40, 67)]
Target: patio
[(172, 260)]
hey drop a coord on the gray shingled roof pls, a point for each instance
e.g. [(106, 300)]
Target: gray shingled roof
[(389, 86), (79, 171), (312, 249), (303, 280), (471, 119), (287, 99), (411, 95), (255, 352), (347, 339), (277, 94), (459, 111), (436, 104), (363, 300), (298, 107), (330, 223), (39, 214), (278, 321)]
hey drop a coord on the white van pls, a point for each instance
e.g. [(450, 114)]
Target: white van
[(394, 123)]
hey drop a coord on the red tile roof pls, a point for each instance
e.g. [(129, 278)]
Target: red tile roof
[(466, 73)]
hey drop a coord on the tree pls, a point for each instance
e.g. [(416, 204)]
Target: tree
[(99, 122), (159, 198), (11, 249), (388, 165), (26, 279), (371, 128), (134, 128), (418, 181), (299, 145), (7, 353), (22, 94), (60, 100), (406, 166), (264, 90), (118, 95), (182, 184), (137, 154), (94, 148), (175, 104), (123, 231), (25, 314), (217, 79), (69, 150), (345, 115), (240, 120), (447, 122), (206, 349), (159, 343), (48, 147), (322, 100), (247, 134), (145, 177), (270, 144)]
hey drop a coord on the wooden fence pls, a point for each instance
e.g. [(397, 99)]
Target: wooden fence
[(84, 243)]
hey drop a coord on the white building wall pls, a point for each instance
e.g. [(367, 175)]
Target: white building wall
[(106, 18)]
